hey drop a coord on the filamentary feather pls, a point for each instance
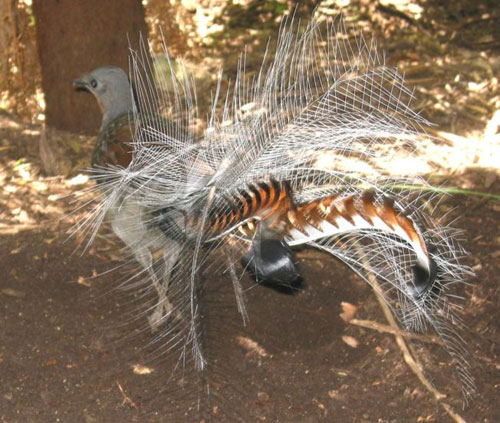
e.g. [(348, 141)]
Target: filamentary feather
[(298, 154)]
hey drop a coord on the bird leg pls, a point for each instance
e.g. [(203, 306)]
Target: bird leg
[(128, 224), (164, 307)]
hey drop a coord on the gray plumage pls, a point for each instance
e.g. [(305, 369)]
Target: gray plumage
[(111, 87)]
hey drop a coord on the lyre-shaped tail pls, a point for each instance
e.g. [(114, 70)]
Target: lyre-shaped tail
[(257, 175), (271, 208)]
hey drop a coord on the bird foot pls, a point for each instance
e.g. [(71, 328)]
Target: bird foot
[(160, 315), (163, 312)]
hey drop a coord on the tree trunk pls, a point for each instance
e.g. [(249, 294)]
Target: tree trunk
[(77, 36)]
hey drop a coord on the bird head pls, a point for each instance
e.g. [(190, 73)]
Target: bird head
[(111, 88)]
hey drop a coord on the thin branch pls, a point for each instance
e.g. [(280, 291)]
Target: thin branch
[(379, 327), (126, 398)]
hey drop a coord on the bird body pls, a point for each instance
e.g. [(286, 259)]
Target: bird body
[(114, 148), (298, 155)]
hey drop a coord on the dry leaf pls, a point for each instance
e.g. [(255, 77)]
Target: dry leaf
[(139, 369), (349, 340), (348, 311), (251, 346), (83, 281), (13, 293)]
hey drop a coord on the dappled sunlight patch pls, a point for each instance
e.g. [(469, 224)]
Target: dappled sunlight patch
[(79, 179), (29, 200)]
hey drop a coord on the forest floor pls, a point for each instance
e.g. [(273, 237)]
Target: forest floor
[(63, 351)]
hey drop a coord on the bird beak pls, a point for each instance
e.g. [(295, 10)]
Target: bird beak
[(80, 85)]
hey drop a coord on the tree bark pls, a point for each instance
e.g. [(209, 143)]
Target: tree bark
[(77, 36)]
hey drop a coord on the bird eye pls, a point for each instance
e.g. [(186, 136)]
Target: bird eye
[(93, 83)]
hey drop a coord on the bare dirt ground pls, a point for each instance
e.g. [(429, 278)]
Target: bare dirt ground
[(64, 355)]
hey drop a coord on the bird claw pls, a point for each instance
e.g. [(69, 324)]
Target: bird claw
[(163, 311)]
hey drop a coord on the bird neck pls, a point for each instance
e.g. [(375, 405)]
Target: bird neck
[(118, 105)]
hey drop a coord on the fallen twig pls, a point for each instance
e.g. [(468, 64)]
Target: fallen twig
[(379, 327), (126, 398), (16, 228)]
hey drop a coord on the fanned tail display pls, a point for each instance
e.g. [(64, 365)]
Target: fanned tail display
[(301, 153)]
